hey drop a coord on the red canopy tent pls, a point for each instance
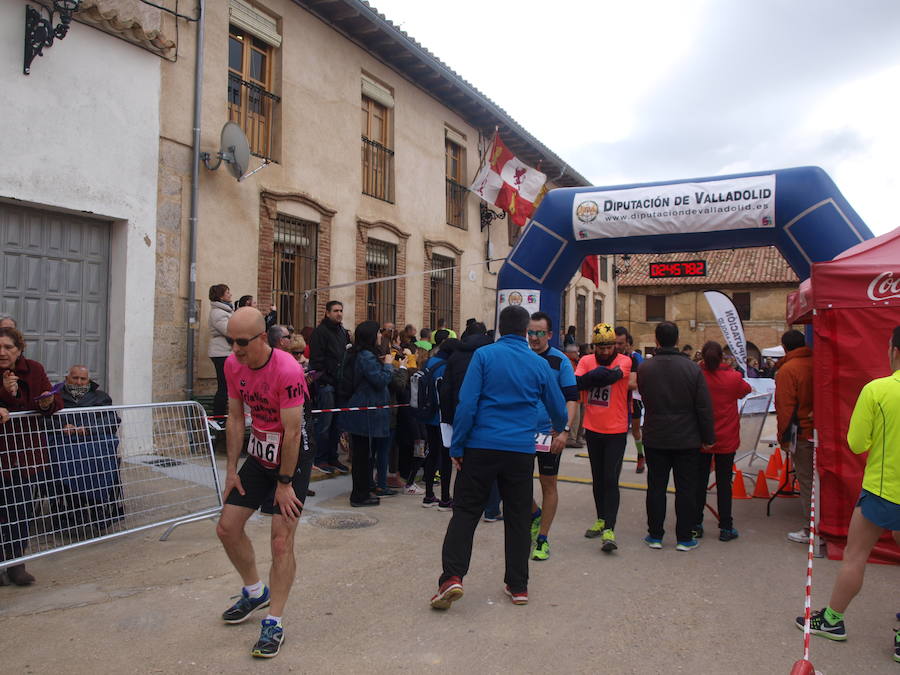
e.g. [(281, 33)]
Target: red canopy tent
[(853, 303)]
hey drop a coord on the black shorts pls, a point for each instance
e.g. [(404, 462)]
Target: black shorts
[(636, 408), (260, 483), (548, 463)]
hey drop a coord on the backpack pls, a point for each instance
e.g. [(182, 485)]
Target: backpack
[(346, 383), (423, 392)]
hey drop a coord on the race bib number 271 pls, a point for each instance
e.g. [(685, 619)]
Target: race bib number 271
[(265, 446)]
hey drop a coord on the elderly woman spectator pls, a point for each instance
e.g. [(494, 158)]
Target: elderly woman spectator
[(250, 301), (220, 310), (23, 452)]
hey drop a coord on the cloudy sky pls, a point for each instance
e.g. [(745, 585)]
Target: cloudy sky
[(655, 90)]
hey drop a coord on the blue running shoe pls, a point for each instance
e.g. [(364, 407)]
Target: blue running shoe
[(689, 545), (240, 610), (270, 640), (653, 543)]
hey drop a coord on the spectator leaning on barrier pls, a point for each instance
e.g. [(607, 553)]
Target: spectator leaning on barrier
[(80, 391), (874, 428), (678, 421), (327, 353), (493, 439), (726, 388), (794, 409), (23, 455)]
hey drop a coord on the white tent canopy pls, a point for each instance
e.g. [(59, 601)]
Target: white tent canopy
[(774, 352)]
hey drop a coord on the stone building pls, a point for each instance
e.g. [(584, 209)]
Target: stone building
[(78, 210), (757, 279), (370, 140)]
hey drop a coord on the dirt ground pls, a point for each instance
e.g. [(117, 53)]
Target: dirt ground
[(360, 602)]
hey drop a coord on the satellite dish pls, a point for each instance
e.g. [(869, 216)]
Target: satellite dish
[(234, 149)]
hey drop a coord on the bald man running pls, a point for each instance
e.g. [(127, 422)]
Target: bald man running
[(274, 475)]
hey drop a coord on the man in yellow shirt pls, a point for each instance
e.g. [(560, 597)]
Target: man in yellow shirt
[(874, 427)]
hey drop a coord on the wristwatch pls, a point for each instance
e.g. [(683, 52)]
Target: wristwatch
[(567, 428), (287, 480)]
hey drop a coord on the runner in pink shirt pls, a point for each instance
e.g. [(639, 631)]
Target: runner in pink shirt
[(273, 478)]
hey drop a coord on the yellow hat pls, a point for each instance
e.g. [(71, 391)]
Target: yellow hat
[(603, 334)]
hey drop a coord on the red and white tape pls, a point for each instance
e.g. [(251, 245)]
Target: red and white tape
[(807, 607), (326, 410)]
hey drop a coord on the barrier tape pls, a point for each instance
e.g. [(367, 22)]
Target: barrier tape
[(807, 607), (325, 410)]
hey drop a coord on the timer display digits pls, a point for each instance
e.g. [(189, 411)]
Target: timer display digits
[(691, 268)]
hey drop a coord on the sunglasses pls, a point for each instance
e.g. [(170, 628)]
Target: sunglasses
[(242, 342), (297, 353), (537, 333)]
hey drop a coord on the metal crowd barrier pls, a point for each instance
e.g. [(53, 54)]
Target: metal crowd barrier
[(85, 475)]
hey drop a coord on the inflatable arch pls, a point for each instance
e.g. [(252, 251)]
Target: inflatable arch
[(800, 211)]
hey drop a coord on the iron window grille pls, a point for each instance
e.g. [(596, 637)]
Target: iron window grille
[(442, 282), (381, 297), (294, 270)]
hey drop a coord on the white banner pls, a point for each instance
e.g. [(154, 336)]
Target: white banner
[(733, 204), (530, 299), (730, 322)]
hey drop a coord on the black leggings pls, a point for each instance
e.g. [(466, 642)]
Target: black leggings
[(437, 454), (724, 464), (220, 400), (361, 471), (606, 452)]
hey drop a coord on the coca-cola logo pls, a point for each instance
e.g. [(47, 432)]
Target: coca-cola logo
[(884, 287)]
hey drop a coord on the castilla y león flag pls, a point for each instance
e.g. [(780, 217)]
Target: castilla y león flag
[(508, 183)]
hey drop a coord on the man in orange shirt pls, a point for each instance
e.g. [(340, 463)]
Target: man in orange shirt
[(794, 409), (605, 376)]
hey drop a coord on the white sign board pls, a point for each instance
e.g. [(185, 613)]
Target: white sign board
[(733, 204), (528, 298)]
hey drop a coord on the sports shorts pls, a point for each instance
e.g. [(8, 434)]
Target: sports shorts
[(548, 463), (880, 511), (259, 484)]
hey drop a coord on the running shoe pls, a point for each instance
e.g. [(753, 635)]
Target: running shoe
[(428, 502), (413, 489), (340, 468), (448, 592), (271, 637), (385, 492), (801, 536), (818, 625), (653, 543), (897, 645), (492, 519), (596, 529), (445, 505), (698, 531), (517, 598), (641, 464), (535, 528), (689, 545), (245, 605), (541, 551), (608, 537), (728, 535), (323, 468)]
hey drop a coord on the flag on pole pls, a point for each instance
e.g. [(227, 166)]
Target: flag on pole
[(590, 269), (508, 183), (730, 322)]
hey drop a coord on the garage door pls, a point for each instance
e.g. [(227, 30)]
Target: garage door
[(55, 273)]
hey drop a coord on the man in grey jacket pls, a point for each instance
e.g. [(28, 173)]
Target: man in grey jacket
[(678, 421)]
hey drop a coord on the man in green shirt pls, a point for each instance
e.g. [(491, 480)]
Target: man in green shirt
[(874, 427)]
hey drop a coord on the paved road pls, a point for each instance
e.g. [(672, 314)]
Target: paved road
[(137, 605)]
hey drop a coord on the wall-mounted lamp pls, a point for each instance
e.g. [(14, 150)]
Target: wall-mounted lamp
[(621, 264), (40, 32), (488, 216)]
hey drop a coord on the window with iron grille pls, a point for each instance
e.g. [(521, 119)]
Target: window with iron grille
[(377, 156), (603, 264), (296, 260), (455, 156), (656, 308), (251, 102), (381, 297), (442, 290), (598, 310), (580, 318), (742, 305)]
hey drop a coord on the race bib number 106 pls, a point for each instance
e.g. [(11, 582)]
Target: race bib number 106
[(265, 446)]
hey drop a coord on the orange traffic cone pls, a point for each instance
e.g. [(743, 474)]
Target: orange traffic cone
[(786, 483), (776, 464), (761, 491), (738, 491)]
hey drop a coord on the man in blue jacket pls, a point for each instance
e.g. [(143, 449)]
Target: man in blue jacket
[(494, 432)]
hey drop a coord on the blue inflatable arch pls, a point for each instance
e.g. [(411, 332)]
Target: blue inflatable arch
[(800, 211)]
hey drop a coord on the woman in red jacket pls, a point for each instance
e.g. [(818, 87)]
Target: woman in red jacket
[(23, 455), (726, 388)]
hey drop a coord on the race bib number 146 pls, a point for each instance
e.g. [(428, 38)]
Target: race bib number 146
[(600, 396)]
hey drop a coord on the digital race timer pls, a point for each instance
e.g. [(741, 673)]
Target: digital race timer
[(691, 268)]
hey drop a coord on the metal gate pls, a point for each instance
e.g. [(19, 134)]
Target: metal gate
[(55, 273)]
